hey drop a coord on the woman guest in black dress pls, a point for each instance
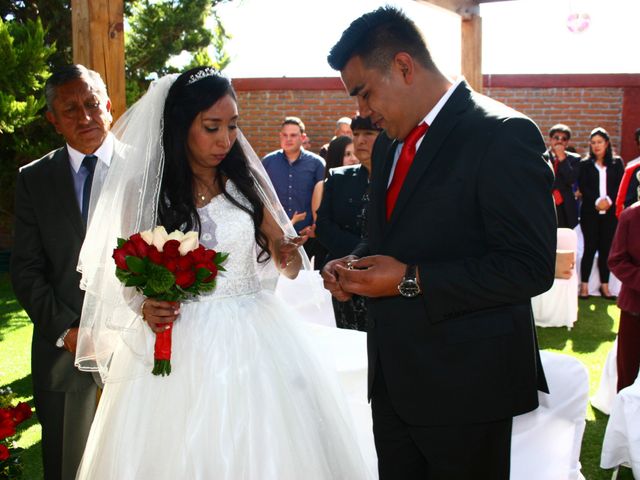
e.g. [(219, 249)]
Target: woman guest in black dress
[(341, 221), (598, 180)]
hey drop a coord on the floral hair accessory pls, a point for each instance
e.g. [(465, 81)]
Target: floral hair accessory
[(200, 74)]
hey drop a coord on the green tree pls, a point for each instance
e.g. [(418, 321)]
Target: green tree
[(55, 16), (160, 29), (24, 56)]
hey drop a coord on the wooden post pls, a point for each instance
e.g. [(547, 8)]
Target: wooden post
[(471, 57), (98, 44)]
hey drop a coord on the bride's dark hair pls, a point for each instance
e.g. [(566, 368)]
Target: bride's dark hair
[(193, 92)]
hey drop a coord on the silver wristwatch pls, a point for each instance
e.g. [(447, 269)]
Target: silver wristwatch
[(408, 286)]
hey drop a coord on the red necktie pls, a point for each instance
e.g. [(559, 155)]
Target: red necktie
[(402, 166)]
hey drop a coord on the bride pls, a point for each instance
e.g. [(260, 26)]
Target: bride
[(248, 397)]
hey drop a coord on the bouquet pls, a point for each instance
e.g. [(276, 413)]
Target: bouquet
[(170, 267), (10, 418)]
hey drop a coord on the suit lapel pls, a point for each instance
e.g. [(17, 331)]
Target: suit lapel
[(445, 121), (63, 185)]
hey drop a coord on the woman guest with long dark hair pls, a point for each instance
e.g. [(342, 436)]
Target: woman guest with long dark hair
[(341, 222), (340, 153), (598, 181)]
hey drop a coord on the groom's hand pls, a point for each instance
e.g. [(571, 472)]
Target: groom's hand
[(375, 276), (330, 277), (159, 314)]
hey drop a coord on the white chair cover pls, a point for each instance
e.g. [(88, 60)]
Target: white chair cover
[(621, 445), (594, 278), (545, 444), (606, 394), (558, 306)]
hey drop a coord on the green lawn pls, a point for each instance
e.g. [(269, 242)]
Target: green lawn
[(589, 341)]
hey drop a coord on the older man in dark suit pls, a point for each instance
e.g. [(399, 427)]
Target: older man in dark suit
[(461, 235), (52, 204)]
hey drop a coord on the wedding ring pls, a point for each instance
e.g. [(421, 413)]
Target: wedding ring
[(349, 265)]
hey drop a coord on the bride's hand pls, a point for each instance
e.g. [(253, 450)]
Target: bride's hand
[(159, 314), (288, 250)]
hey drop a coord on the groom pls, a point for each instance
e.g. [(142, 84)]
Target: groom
[(461, 235), (52, 200)]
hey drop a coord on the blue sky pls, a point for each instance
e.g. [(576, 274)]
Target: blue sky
[(276, 38)]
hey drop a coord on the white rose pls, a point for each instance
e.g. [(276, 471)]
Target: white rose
[(176, 235), (189, 242), (147, 236), (159, 237)]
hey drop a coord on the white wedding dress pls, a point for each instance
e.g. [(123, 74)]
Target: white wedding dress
[(249, 397)]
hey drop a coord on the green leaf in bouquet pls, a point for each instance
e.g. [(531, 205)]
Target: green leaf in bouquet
[(121, 242), (122, 275), (202, 273), (135, 281), (207, 287), (221, 257), (159, 279), (135, 264)]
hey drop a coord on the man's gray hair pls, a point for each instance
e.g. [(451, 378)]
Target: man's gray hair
[(68, 73)]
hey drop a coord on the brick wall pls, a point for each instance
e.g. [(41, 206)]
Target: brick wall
[(262, 112), (581, 101), (582, 109)]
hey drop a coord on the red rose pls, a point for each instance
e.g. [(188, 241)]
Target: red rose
[(171, 249), (155, 256), (129, 248), (7, 426), (209, 266), (21, 412), (140, 245), (185, 263), (201, 254), (170, 264), (120, 256), (4, 452), (185, 279)]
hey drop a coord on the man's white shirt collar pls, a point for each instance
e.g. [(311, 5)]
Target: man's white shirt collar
[(104, 153), (431, 116)]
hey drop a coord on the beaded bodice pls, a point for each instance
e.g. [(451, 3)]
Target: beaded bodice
[(227, 228)]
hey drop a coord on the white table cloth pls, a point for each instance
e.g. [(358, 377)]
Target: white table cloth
[(558, 306)]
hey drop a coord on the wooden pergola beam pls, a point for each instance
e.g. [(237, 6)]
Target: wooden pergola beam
[(98, 44), (471, 33)]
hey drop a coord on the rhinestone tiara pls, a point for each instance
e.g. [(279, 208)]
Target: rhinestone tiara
[(200, 74)]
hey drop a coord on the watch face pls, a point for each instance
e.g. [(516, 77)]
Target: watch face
[(409, 288)]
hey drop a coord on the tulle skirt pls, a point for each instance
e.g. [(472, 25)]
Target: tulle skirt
[(249, 397)]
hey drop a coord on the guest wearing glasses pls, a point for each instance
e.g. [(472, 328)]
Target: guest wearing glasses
[(565, 167), (598, 180)]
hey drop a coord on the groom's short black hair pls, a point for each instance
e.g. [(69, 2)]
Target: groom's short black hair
[(377, 37)]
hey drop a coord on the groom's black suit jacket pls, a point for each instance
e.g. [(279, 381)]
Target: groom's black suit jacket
[(476, 214)]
